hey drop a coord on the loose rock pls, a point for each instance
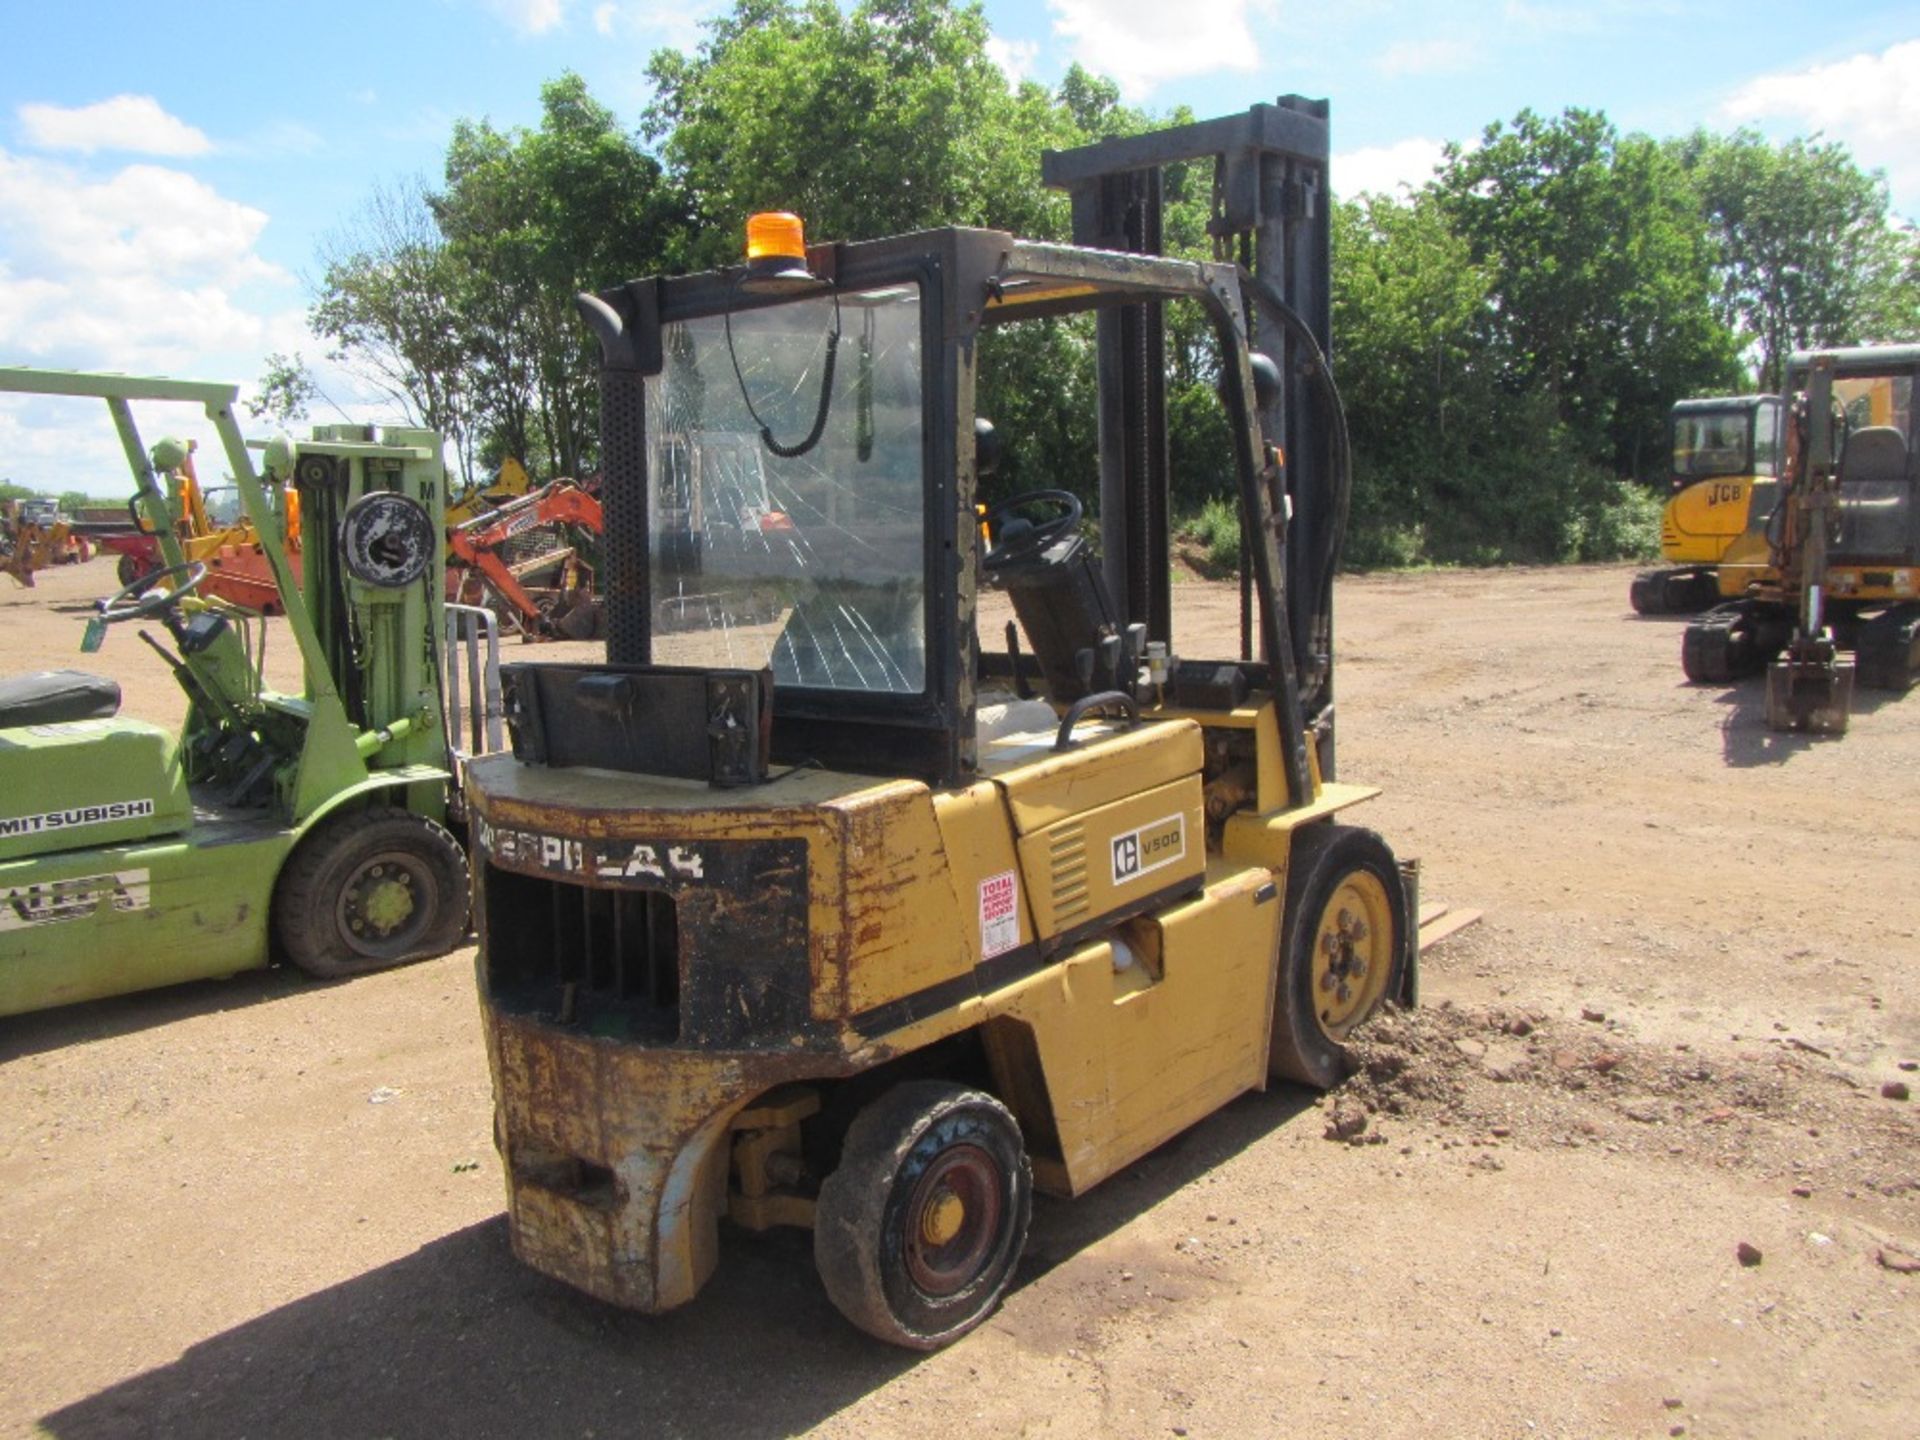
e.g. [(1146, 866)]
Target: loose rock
[(1347, 1121), (1748, 1254), (1899, 1261), (1895, 1090)]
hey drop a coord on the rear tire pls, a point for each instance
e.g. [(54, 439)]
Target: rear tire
[(369, 889), (919, 1229), (1343, 949)]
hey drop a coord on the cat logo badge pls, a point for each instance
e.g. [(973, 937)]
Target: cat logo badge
[(1140, 852)]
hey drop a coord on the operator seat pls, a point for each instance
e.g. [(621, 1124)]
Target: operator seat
[(1876, 497), (52, 697)]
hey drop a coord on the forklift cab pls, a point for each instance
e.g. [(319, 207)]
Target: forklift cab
[(819, 903)]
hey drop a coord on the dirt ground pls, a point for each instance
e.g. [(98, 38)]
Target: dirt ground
[(266, 1207)]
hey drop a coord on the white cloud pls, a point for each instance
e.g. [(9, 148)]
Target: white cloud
[(1869, 102), (1016, 58), (530, 17), (143, 269), (1425, 57), (1385, 168), (675, 24), (1139, 43), (133, 123)]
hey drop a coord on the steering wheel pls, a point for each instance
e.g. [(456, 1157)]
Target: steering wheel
[(1016, 538), (151, 600)]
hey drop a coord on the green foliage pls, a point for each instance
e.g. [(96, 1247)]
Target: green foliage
[(1508, 340), (531, 218), (390, 303), (458, 302), (885, 117), (882, 118), (1807, 253), (286, 390), (1600, 276), (1214, 531)]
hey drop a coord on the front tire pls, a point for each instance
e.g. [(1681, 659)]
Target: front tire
[(368, 889), (919, 1229), (1343, 949)]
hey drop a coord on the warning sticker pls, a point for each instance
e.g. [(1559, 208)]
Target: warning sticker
[(999, 914)]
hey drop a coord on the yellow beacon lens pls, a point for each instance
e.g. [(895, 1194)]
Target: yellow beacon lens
[(776, 254), (775, 234)]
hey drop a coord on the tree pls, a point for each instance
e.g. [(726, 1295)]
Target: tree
[(285, 390), (1600, 270), (458, 302), (1410, 310), (389, 303), (1807, 253), (884, 118), (531, 218)]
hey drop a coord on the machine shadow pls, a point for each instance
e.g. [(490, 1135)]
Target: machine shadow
[(460, 1339), (1746, 741), (43, 1030)]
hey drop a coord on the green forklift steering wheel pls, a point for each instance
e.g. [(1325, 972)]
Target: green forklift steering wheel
[(150, 601)]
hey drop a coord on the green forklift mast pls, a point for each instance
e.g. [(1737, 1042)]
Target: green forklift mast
[(307, 824)]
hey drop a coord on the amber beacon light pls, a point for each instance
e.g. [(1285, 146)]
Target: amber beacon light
[(776, 248)]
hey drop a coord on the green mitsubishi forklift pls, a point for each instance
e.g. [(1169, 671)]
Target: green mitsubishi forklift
[(311, 827)]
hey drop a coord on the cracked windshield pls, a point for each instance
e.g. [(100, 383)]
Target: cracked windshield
[(810, 563)]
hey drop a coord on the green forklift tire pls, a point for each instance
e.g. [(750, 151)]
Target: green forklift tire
[(368, 889)]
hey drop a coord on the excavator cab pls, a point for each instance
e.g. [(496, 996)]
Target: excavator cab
[(1726, 464)]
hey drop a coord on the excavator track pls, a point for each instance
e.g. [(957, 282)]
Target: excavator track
[(1887, 649), (1726, 644), (1682, 591)]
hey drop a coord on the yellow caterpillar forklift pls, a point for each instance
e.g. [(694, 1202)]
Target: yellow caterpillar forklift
[(1823, 586), (809, 908), (1726, 459)]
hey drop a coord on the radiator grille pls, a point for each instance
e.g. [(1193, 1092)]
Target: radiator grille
[(1067, 860), (605, 959)]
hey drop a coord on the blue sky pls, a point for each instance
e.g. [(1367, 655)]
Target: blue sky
[(168, 174)]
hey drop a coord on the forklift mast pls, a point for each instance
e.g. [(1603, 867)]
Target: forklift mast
[(1270, 214)]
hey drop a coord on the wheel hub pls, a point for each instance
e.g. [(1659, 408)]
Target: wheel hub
[(387, 899), (1350, 957), (952, 1219), (384, 905), (943, 1219)]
